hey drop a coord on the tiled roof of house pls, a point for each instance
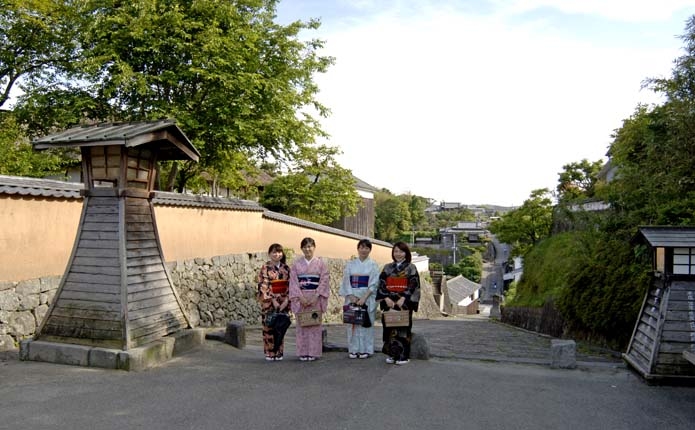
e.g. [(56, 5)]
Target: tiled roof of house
[(460, 288), (669, 236), (361, 185)]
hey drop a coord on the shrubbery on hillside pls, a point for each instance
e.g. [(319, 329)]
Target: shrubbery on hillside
[(593, 279)]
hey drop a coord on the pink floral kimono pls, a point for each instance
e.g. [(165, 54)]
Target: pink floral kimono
[(309, 279)]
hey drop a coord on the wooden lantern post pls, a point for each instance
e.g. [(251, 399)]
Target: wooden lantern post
[(116, 291), (664, 335)]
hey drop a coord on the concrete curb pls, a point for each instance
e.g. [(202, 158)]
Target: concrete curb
[(135, 359)]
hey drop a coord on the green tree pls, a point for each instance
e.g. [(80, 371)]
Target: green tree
[(38, 41), (654, 153), (416, 207), (318, 190), (237, 83), (525, 226), (392, 216), (578, 180), (449, 218), (19, 158)]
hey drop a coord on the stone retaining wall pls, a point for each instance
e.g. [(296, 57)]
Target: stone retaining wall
[(22, 308), (213, 290)]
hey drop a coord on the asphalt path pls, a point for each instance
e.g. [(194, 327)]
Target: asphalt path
[(217, 386)]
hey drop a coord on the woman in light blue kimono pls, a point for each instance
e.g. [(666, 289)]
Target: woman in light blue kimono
[(360, 282)]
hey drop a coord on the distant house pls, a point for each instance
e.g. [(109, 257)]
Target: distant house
[(514, 275), (362, 222), (460, 296), (422, 262), (474, 231)]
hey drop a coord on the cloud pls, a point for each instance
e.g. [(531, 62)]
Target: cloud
[(473, 106), (619, 10)]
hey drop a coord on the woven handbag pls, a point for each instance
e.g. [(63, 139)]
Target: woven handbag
[(394, 318), (309, 318)]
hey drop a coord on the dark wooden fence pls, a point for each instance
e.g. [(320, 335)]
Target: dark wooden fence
[(546, 320)]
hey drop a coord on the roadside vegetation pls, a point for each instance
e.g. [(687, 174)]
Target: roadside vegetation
[(585, 261)]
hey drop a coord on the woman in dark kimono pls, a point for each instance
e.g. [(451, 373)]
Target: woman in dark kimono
[(399, 289), (273, 295)]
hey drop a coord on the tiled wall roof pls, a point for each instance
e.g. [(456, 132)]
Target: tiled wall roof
[(39, 187)]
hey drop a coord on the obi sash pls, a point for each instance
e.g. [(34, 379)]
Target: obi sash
[(279, 286), (359, 281), (308, 281), (396, 284)]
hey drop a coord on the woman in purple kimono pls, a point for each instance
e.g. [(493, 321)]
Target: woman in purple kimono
[(309, 290), (273, 295), (399, 289)]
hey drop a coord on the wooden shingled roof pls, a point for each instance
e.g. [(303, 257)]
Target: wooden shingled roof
[(165, 135)]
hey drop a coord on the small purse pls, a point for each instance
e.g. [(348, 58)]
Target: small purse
[(354, 315), (309, 318)]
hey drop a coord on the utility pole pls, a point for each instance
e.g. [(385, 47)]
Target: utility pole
[(454, 234)]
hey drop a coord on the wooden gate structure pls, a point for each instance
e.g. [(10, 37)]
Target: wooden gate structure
[(663, 339), (116, 291)]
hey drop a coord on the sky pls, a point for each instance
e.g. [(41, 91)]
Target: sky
[(484, 101)]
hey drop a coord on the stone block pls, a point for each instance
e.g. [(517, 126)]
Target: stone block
[(7, 343), (185, 340), (563, 354), (28, 302), (28, 287), (235, 334), (104, 357), (49, 283), (7, 285), (22, 323), (24, 349), (40, 313), (9, 301), (330, 347), (146, 356), (60, 353), (419, 347)]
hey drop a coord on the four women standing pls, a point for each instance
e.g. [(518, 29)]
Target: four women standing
[(397, 287)]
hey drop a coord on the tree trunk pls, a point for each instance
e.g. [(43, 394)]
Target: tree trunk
[(171, 178)]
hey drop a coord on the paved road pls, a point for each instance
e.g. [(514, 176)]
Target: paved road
[(469, 337), (218, 386)]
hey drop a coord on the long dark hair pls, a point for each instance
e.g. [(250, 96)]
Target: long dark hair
[(403, 247), (277, 247)]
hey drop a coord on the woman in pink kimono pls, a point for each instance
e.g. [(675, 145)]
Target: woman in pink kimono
[(309, 290)]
